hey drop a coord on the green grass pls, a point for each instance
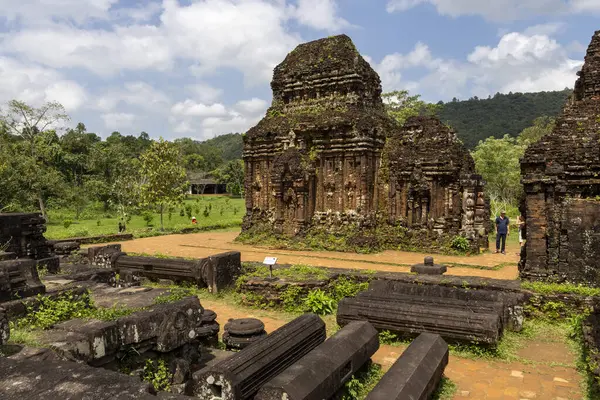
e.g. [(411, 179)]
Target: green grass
[(95, 222), (560, 288)]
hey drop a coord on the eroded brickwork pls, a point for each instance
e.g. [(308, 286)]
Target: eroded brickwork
[(562, 185), (317, 150), (433, 184)]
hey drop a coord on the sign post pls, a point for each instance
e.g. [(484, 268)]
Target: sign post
[(270, 261)]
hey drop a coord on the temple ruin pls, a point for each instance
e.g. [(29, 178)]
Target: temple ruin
[(432, 182), (560, 176), (318, 148), (314, 160)]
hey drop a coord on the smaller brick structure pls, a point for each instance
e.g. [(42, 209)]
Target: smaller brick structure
[(18, 279), (432, 183)]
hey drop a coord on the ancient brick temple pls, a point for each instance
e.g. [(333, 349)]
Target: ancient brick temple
[(432, 182), (315, 158), (561, 175), (318, 148)]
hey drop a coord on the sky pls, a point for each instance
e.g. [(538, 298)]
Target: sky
[(201, 68)]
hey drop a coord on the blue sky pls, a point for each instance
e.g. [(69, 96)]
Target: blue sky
[(200, 68)]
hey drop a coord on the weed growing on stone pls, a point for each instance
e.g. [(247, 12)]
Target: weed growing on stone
[(157, 373), (175, 294), (362, 382), (319, 302)]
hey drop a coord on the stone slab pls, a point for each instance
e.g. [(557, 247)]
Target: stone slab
[(64, 380)]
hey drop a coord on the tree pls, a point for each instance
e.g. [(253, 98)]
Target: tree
[(497, 160), (31, 125), (400, 106), (541, 126), (232, 175), (163, 177)]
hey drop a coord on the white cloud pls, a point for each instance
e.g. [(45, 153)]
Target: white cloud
[(102, 52), (141, 13), (320, 14), (138, 94), (190, 108), (118, 121), (41, 12), (252, 106), (550, 28), (391, 67), (204, 92), (499, 10), (36, 85), (518, 62)]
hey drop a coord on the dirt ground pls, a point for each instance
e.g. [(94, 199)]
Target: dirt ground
[(208, 243)]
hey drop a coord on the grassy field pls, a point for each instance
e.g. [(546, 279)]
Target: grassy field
[(223, 212)]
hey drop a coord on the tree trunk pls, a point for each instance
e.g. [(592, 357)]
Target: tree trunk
[(162, 228), (42, 207)]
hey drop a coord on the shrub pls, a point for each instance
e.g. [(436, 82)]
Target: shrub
[(188, 211), (158, 374), (182, 213), (98, 223), (319, 302), (206, 212), (460, 243), (67, 223), (148, 217)]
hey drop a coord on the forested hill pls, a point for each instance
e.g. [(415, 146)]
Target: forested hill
[(477, 119), (230, 145)]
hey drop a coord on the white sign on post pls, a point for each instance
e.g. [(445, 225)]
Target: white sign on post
[(270, 261)]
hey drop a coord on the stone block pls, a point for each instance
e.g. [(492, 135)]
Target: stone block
[(175, 269), (243, 374), (429, 269), (167, 326), (4, 327), (221, 270), (51, 379), (66, 248), (417, 373), (322, 372), (51, 264), (102, 336), (100, 256), (18, 279)]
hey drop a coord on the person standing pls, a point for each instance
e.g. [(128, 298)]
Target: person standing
[(521, 224), (502, 231)]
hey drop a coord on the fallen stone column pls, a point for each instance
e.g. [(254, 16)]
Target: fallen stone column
[(512, 302), (323, 371), (451, 324), (242, 375), (417, 373), (175, 269)]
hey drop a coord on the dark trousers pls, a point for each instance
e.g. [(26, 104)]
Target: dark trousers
[(500, 236)]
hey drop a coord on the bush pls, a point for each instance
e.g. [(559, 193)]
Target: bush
[(67, 223), (182, 213), (188, 211), (206, 212), (148, 217), (319, 302), (98, 223), (158, 374), (460, 243)]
